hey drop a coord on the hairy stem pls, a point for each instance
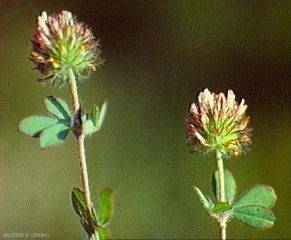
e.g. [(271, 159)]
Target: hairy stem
[(222, 193), (82, 157)]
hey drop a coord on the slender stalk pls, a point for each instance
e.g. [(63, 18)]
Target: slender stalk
[(220, 176), (74, 91), (222, 193), (82, 158)]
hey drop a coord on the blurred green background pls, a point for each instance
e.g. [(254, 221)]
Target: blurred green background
[(159, 55)]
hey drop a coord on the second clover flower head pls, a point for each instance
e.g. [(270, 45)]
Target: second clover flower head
[(218, 123), (62, 46)]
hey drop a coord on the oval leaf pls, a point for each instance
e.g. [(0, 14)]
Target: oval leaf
[(106, 206), (57, 107), (54, 135), (230, 186), (259, 195), (32, 126), (254, 216)]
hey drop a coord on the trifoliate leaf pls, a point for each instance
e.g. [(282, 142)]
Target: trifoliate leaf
[(93, 121), (57, 107), (258, 195), (54, 135), (32, 126), (254, 216)]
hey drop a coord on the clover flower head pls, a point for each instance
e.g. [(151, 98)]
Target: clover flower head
[(61, 46), (218, 123)]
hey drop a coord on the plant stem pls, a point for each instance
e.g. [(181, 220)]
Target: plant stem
[(74, 92), (82, 158), (220, 176), (222, 193)]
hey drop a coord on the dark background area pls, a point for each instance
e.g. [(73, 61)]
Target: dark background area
[(159, 56)]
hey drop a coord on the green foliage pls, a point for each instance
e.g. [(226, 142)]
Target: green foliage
[(78, 201), (34, 125), (258, 195), (104, 215), (252, 209), (57, 107), (105, 206), (53, 130), (54, 135), (63, 57), (254, 216), (93, 121), (50, 130)]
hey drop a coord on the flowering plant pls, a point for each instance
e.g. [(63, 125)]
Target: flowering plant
[(64, 51), (219, 124)]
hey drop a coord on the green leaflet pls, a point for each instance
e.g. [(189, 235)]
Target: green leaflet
[(78, 201), (32, 126), (101, 117), (105, 206), (254, 216), (258, 195), (94, 115), (57, 107), (51, 130), (54, 135), (92, 122), (253, 208)]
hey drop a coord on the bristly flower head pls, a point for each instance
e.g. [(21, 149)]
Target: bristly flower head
[(61, 45), (218, 123)]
